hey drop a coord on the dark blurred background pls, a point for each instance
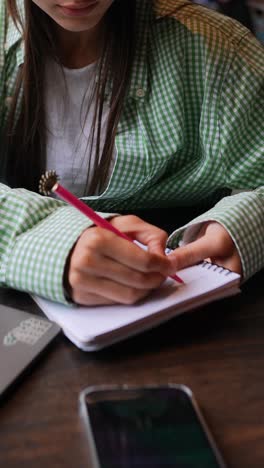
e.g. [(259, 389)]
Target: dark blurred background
[(248, 12)]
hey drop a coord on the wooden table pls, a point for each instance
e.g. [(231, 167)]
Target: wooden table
[(218, 351)]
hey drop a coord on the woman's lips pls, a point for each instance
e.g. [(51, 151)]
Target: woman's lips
[(75, 9)]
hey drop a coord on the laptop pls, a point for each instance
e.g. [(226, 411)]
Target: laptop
[(23, 336)]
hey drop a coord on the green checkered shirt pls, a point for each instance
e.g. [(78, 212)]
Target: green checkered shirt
[(192, 127)]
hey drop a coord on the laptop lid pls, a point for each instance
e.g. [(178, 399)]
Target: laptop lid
[(23, 336)]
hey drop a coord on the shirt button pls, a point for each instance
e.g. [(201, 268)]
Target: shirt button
[(140, 93)]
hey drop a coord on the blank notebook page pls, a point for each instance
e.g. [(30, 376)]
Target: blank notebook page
[(203, 283)]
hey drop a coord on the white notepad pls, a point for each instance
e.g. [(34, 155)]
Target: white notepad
[(93, 328)]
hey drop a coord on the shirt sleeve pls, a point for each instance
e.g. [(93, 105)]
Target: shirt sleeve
[(241, 127), (36, 235)]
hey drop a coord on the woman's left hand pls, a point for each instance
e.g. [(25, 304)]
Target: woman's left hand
[(213, 244)]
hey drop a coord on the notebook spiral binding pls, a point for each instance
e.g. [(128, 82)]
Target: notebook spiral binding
[(214, 267)]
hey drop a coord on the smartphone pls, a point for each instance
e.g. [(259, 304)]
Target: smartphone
[(155, 427)]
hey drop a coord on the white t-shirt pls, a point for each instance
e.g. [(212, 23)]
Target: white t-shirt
[(68, 95)]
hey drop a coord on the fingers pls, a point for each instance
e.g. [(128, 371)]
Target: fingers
[(104, 268), (214, 244), (99, 266), (149, 235), (105, 291), (90, 299), (191, 254), (120, 250)]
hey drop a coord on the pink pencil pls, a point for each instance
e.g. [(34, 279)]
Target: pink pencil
[(49, 182)]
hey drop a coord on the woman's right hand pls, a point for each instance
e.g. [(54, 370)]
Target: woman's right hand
[(106, 269)]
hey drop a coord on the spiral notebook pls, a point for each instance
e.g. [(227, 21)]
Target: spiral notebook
[(93, 328)]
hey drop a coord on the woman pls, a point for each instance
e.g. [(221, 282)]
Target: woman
[(141, 107)]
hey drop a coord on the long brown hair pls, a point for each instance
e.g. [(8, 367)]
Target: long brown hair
[(26, 150)]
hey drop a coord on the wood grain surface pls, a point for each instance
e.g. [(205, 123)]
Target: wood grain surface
[(218, 351)]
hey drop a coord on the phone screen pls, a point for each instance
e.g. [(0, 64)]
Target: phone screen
[(155, 428)]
